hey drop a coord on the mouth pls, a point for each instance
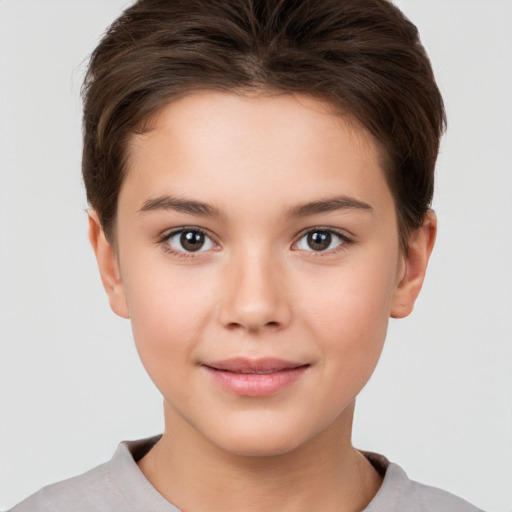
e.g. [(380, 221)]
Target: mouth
[(254, 366), (255, 377)]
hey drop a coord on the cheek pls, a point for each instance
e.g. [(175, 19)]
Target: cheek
[(353, 332), (349, 318), (350, 295), (168, 312)]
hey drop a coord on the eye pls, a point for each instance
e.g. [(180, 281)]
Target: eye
[(189, 240), (320, 240)]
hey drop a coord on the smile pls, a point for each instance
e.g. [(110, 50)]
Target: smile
[(255, 377)]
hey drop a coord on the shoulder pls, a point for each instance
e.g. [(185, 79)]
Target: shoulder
[(88, 490), (112, 486), (400, 494), (429, 498)]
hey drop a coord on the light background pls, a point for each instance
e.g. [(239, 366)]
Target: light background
[(71, 386)]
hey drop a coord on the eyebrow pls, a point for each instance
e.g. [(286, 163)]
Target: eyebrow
[(189, 206), (327, 205), (192, 207)]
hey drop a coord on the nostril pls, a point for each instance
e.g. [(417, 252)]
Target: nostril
[(234, 325), (253, 327)]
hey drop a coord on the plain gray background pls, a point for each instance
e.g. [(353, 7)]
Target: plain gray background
[(71, 386)]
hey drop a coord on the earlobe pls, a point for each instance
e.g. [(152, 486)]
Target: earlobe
[(108, 266), (414, 267)]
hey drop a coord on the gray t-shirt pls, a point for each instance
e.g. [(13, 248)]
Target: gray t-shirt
[(119, 485)]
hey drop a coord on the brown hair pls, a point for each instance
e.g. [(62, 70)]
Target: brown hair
[(362, 56)]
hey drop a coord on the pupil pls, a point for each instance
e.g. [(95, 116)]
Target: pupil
[(319, 240), (192, 240)]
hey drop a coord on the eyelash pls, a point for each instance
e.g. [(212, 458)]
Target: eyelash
[(345, 241), (164, 241)]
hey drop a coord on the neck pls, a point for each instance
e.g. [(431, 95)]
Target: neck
[(326, 473)]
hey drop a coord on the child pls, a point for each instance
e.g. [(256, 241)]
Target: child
[(260, 175)]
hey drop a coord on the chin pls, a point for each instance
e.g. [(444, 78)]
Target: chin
[(258, 447), (259, 440)]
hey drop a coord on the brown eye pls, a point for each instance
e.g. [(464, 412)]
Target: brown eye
[(190, 240), (320, 240)]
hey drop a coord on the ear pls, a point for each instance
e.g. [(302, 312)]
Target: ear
[(108, 266), (414, 267)]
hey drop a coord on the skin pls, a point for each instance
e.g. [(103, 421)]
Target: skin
[(257, 289)]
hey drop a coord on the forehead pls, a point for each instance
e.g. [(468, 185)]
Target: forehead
[(219, 143), (250, 111)]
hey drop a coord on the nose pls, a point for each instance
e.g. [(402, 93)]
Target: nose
[(255, 297)]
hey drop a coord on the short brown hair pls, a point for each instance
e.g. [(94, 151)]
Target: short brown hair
[(362, 56)]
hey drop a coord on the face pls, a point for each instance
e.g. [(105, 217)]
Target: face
[(258, 260)]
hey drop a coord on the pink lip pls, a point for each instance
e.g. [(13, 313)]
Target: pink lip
[(255, 377)]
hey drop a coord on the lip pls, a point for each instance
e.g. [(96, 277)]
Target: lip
[(255, 377)]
